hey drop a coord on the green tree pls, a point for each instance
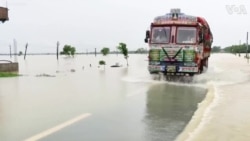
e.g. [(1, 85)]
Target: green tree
[(122, 47), (68, 50), (102, 62), (73, 51), (105, 51)]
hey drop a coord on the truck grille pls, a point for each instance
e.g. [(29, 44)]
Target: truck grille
[(172, 54)]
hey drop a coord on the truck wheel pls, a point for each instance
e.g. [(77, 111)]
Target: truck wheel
[(206, 62), (201, 66)]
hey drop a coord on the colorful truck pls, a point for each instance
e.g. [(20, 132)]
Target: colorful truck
[(179, 44)]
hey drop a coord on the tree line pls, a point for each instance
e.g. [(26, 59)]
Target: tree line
[(237, 49), (232, 49)]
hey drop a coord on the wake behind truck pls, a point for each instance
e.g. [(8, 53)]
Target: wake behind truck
[(179, 44)]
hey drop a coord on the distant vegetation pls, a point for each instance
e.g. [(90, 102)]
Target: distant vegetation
[(216, 49), (8, 74), (231, 49), (141, 51), (68, 50), (237, 49)]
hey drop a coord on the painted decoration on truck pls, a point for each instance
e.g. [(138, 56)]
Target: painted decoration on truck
[(189, 55), (172, 54), (154, 55), (168, 54)]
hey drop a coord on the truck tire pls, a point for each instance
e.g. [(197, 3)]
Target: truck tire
[(206, 62), (201, 66)]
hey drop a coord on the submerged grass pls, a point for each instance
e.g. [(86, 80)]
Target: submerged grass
[(8, 74)]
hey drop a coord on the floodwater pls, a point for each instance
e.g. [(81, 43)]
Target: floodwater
[(124, 103), (224, 114)]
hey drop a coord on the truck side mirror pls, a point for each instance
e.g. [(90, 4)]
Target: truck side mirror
[(147, 36)]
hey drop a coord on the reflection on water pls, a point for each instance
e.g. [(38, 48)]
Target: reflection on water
[(169, 108)]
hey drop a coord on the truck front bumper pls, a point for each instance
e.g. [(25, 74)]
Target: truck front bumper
[(172, 69)]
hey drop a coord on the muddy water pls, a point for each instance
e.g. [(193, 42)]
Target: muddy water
[(125, 103)]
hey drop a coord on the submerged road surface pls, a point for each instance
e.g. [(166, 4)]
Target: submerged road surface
[(51, 102)]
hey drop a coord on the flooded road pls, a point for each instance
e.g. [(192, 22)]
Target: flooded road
[(76, 99), (224, 113)]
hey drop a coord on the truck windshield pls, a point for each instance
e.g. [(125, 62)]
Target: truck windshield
[(160, 35), (186, 35)]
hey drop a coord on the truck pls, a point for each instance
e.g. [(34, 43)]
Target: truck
[(179, 44)]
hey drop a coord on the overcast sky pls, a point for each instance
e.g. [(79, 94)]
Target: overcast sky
[(89, 24)]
